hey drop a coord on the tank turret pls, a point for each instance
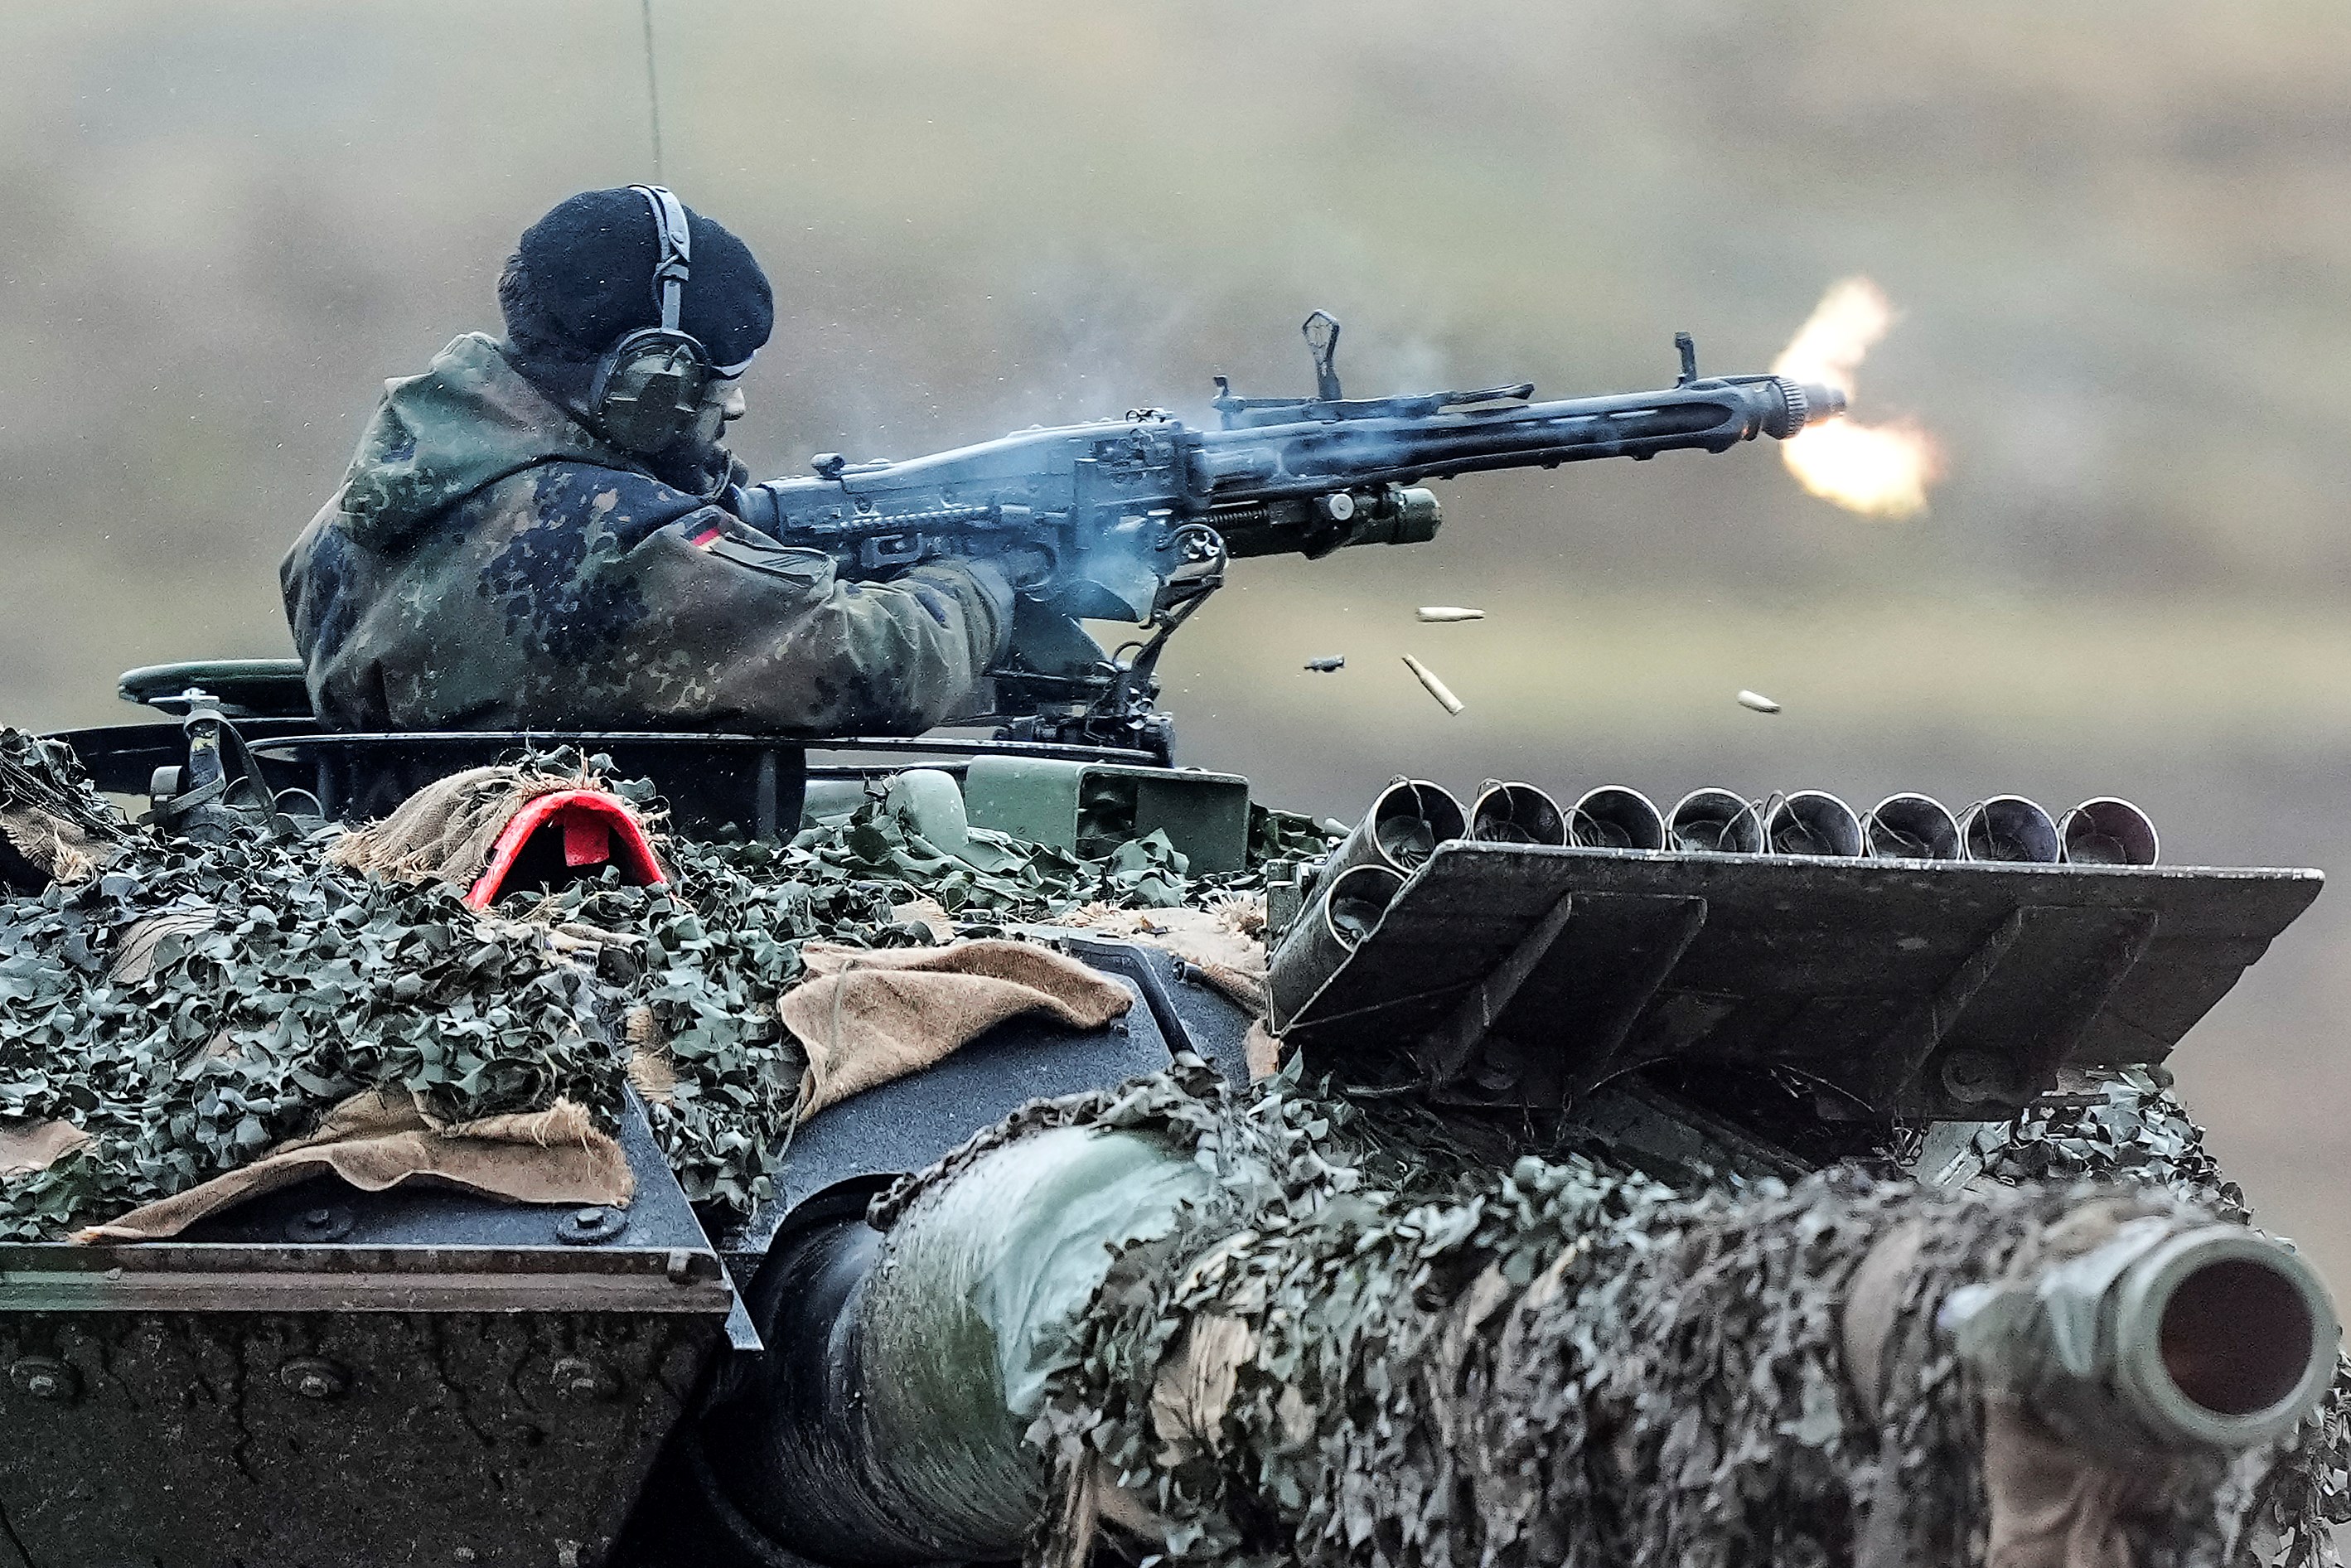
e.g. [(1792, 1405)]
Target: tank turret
[(1507, 1182)]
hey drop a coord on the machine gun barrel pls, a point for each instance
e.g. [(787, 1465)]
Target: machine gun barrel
[(1318, 455)]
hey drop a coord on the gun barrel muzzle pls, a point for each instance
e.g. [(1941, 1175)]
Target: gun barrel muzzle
[(1803, 405), (2172, 1334)]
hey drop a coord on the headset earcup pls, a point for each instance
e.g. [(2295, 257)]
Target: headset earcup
[(648, 390)]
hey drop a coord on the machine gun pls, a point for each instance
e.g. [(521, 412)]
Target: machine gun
[(1132, 519)]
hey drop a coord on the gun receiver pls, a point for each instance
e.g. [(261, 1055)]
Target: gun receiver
[(1133, 520)]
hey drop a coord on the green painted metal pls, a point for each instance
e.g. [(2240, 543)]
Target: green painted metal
[(829, 798), (984, 1280), (1205, 815), (1063, 803), (1032, 797)]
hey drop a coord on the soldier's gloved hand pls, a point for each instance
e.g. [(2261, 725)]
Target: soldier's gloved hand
[(981, 587)]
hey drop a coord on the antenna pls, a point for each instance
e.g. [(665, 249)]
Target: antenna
[(653, 86)]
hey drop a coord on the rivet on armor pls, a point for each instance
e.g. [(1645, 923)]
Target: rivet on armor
[(44, 1377), (588, 1227), (326, 1222), (582, 1381), (315, 1377)]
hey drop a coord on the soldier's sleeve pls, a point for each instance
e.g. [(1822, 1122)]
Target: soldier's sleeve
[(737, 627)]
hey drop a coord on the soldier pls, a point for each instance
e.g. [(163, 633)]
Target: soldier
[(536, 531)]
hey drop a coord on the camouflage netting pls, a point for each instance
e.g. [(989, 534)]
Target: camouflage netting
[(283, 983), (1371, 1352), (53, 823), (1384, 1351), (2140, 1131)]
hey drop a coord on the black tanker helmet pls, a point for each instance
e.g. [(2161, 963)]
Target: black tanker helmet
[(581, 279)]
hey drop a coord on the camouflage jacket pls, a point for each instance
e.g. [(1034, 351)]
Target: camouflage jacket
[(489, 563)]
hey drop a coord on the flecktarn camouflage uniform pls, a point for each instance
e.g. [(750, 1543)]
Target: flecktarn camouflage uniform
[(490, 563)]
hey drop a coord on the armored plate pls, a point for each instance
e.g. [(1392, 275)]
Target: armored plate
[(284, 1386), (1511, 974)]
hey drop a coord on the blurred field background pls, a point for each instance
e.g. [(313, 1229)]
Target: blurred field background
[(2119, 236)]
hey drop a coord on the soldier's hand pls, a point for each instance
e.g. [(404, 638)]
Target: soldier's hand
[(996, 583), (982, 584)]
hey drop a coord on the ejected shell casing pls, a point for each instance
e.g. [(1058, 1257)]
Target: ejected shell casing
[(2008, 827), (1911, 828), (1333, 925), (1614, 817), (1714, 821), (2108, 831), (1516, 814), (1758, 702), (1437, 689), (1401, 830), (1442, 615), (1812, 823)]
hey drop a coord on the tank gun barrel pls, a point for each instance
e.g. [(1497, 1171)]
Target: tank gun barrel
[(2170, 1334), (915, 1403)]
